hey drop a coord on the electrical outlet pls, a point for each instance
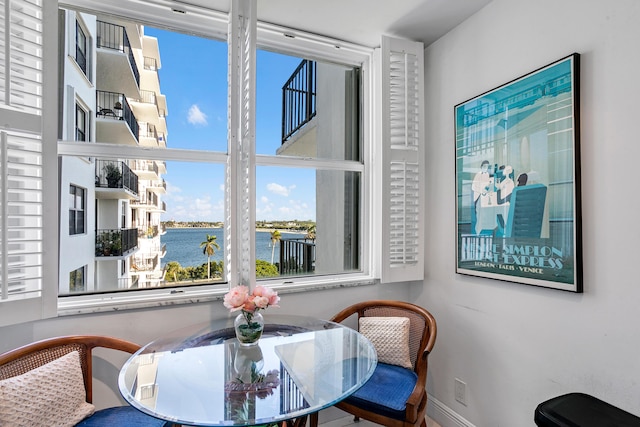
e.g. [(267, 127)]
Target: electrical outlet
[(460, 390)]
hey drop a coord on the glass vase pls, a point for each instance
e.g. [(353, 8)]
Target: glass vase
[(249, 328)]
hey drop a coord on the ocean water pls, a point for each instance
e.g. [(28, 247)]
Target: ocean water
[(183, 245)]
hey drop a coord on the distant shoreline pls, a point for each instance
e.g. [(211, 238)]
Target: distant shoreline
[(263, 230)]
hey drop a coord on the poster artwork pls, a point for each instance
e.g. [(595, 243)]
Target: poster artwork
[(517, 180)]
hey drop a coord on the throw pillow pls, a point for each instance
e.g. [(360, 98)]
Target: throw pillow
[(50, 395), (390, 337)]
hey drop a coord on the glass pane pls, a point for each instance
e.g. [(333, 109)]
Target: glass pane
[(193, 75), (307, 221), (306, 108), (170, 210)]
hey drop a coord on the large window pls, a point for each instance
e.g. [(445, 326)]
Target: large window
[(155, 216), (267, 150)]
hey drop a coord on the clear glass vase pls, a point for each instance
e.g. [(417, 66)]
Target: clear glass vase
[(249, 328)]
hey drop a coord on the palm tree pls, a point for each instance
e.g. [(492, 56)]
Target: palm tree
[(208, 250), (311, 232), (275, 237)]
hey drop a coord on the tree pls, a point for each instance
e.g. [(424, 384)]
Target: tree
[(311, 232), (264, 269), (208, 248), (275, 238)]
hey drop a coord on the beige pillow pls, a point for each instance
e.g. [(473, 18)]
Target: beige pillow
[(51, 395), (390, 337)]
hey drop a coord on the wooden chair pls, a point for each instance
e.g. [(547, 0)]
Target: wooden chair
[(31, 356), (422, 337)]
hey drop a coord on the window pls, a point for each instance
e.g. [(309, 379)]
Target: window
[(77, 280), (323, 166), (81, 50), (82, 124), (76, 210)]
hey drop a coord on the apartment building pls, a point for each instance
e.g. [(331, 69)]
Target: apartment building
[(110, 93)]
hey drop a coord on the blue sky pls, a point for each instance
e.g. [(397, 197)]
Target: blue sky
[(193, 78)]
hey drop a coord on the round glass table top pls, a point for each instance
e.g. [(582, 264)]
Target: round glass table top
[(202, 376)]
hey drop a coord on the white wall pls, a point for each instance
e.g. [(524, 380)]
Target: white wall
[(516, 345)]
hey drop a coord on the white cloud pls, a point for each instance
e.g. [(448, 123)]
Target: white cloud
[(264, 199), (280, 190), (196, 116)]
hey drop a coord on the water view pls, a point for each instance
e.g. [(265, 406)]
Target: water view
[(183, 245)]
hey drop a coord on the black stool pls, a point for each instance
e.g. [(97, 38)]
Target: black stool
[(582, 410)]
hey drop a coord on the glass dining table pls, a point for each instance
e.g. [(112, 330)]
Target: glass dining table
[(202, 376)]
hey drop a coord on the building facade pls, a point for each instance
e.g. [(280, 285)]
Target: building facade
[(110, 93)]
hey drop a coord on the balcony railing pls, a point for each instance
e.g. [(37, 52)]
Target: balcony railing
[(299, 99), (111, 36), (145, 166), (297, 256), (111, 105), (147, 130), (115, 174), (115, 242), (152, 65), (150, 201)]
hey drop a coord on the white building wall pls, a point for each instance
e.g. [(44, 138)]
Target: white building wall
[(78, 249), (330, 143), (515, 345)]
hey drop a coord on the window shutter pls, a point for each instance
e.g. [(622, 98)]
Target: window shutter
[(240, 232), (22, 176), (402, 148)]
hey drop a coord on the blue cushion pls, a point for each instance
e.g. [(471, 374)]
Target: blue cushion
[(386, 392), (126, 416)]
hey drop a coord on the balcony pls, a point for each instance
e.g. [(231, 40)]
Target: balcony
[(116, 65), (115, 242), (297, 256), (149, 136), (114, 180), (150, 105), (299, 99), (145, 169), (150, 203), (158, 186), (115, 121)]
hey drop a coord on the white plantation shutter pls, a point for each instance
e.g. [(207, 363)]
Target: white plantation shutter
[(240, 221), (402, 123), (22, 159)]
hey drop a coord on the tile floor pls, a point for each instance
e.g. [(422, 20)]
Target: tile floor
[(348, 422)]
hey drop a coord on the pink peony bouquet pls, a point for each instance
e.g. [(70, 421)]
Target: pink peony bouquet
[(239, 298)]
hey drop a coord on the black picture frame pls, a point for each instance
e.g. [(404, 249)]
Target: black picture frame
[(518, 206)]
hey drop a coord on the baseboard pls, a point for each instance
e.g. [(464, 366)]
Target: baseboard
[(444, 415)]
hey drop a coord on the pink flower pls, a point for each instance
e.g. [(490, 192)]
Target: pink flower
[(236, 298), (266, 293), (261, 302)]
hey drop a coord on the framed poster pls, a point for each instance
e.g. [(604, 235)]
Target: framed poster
[(518, 180)]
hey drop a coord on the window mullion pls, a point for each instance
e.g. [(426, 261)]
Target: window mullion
[(240, 201)]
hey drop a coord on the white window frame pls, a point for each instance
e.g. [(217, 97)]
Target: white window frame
[(213, 24)]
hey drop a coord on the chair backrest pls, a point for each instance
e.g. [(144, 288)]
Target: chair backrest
[(422, 329), (526, 211), (31, 356)]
